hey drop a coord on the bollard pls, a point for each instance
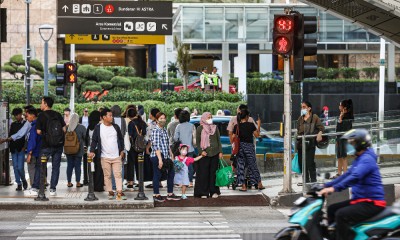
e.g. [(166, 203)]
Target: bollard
[(90, 196), (42, 196), (141, 195)]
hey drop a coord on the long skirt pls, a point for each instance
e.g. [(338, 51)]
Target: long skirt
[(205, 177)]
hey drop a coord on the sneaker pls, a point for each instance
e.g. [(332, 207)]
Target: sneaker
[(33, 192), (158, 198), (183, 197), (24, 184), (215, 195), (19, 188), (173, 197), (111, 195), (121, 196), (204, 196), (53, 193)]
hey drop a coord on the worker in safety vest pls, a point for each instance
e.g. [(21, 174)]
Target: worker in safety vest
[(215, 79), (204, 78)]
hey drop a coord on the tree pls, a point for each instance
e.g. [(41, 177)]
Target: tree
[(16, 67), (183, 59)]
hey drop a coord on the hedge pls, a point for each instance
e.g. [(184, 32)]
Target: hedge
[(103, 75)]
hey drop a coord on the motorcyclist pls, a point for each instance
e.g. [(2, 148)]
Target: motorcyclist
[(365, 181)]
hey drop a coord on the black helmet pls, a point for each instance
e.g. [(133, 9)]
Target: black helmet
[(360, 137), (324, 143)]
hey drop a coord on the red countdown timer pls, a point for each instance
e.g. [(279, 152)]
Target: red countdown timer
[(284, 24)]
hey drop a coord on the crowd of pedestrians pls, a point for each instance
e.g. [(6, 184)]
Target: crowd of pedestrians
[(111, 138)]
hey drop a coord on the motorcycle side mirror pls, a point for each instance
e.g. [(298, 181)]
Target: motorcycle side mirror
[(327, 175)]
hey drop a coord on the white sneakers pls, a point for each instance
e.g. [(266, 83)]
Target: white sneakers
[(53, 193), (33, 192), (215, 195)]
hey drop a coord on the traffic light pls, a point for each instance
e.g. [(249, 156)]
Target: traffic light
[(70, 75), (283, 34), (304, 46), (60, 80), (3, 24)]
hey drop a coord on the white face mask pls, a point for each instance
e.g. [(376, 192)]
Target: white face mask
[(183, 152), (209, 121), (350, 149), (303, 112)]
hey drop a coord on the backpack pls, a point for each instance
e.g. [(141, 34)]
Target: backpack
[(54, 131), (71, 144), (139, 144)]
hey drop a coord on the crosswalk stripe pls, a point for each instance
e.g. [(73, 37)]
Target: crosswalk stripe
[(90, 232), (208, 237)]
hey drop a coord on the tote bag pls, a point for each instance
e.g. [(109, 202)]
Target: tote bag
[(224, 174), (295, 164)]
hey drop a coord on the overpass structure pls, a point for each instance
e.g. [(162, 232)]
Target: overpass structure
[(380, 17)]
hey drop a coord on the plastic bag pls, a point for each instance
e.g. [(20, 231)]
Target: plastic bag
[(224, 174), (295, 164)]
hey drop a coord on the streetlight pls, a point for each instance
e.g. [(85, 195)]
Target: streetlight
[(46, 31)]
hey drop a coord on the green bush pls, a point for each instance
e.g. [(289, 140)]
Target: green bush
[(349, 73), (145, 83), (37, 65), (121, 71), (327, 73), (9, 69), (103, 75), (21, 69), (106, 85), (92, 87), (371, 72), (17, 59), (121, 82), (87, 71)]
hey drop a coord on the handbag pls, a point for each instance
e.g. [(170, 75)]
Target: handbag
[(224, 174), (236, 141), (295, 164)]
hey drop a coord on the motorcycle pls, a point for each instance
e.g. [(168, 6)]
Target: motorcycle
[(310, 224)]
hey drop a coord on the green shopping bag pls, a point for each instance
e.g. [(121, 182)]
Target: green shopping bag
[(224, 174), (295, 164)]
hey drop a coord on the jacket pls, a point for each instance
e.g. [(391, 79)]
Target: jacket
[(95, 145), (363, 177), (34, 141), (17, 145)]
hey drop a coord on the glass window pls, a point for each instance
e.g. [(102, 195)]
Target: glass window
[(214, 23), (330, 28), (257, 22), (192, 23), (234, 23)]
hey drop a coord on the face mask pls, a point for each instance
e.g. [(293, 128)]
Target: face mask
[(162, 122), (350, 149), (183, 152), (303, 112), (209, 121)]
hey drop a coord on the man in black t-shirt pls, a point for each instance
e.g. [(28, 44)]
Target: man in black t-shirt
[(51, 126)]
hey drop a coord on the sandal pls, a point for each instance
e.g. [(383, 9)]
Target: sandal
[(79, 185), (243, 189), (70, 185)]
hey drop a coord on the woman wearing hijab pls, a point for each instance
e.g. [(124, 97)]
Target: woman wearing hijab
[(98, 176), (74, 161), (209, 146)]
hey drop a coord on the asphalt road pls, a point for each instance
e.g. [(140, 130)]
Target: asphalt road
[(250, 223)]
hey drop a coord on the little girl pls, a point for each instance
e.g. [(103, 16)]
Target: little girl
[(182, 177)]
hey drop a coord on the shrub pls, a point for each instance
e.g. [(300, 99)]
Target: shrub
[(103, 75), (121, 71), (327, 73), (92, 87), (371, 72), (37, 65), (106, 85), (87, 71), (121, 82), (21, 69), (17, 59), (349, 73), (9, 69)]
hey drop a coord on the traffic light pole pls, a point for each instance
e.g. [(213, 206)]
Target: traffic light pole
[(72, 93), (287, 154)]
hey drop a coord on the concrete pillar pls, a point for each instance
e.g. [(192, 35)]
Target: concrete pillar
[(265, 63), (391, 63), (225, 67), (160, 48), (240, 66)]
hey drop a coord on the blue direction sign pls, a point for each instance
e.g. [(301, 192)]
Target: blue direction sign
[(114, 17)]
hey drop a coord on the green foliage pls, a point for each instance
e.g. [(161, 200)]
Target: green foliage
[(9, 69), (121, 82), (53, 69), (87, 71), (327, 73), (92, 87), (37, 65), (121, 71), (371, 72), (106, 85), (17, 60), (21, 69), (103, 75), (16, 67), (349, 73)]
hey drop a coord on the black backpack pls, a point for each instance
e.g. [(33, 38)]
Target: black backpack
[(54, 134)]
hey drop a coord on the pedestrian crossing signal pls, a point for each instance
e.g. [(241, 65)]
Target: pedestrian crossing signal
[(70, 73), (283, 34)]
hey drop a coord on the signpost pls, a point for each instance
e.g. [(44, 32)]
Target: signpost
[(114, 17), (113, 39)]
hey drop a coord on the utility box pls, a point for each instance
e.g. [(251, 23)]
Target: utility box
[(167, 86), (4, 151)]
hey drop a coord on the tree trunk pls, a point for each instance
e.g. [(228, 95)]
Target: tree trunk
[(185, 82)]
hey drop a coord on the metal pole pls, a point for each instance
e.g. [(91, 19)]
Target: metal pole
[(28, 58), (91, 196), (303, 157), (46, 68), (42, 196), (287, 154), (141, 195), (72, 93), (1, 85), (381, 115)]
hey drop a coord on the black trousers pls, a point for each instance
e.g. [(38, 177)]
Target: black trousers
[(85, 169), (147, 169), (205, 176), (132, 165), (346, 215), (311, 174)]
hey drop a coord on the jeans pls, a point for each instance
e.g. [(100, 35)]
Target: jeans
[(36, 179), (157, 177), (18, 159), (55, 154), (74, 161)]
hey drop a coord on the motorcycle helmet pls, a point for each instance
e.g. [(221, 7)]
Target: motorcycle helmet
[(324, 143), (358, 138)]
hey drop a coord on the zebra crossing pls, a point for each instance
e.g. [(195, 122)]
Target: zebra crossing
[(129, 224)]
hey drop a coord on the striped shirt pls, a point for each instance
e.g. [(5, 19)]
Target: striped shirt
[(159, 141)]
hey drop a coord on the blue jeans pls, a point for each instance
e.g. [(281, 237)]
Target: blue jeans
[(18, 159), (113, 179), (36, 179), (157, 177), (74, 161), (55, 154)]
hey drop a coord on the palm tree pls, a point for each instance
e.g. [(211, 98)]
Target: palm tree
[(183, 59)]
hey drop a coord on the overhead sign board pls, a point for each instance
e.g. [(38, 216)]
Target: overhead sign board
[(114, 17), (113, 39)]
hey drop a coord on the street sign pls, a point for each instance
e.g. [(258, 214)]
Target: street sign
[(113, 39), (114, 17)]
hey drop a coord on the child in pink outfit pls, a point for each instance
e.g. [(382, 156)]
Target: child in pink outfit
[(182, 177)]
